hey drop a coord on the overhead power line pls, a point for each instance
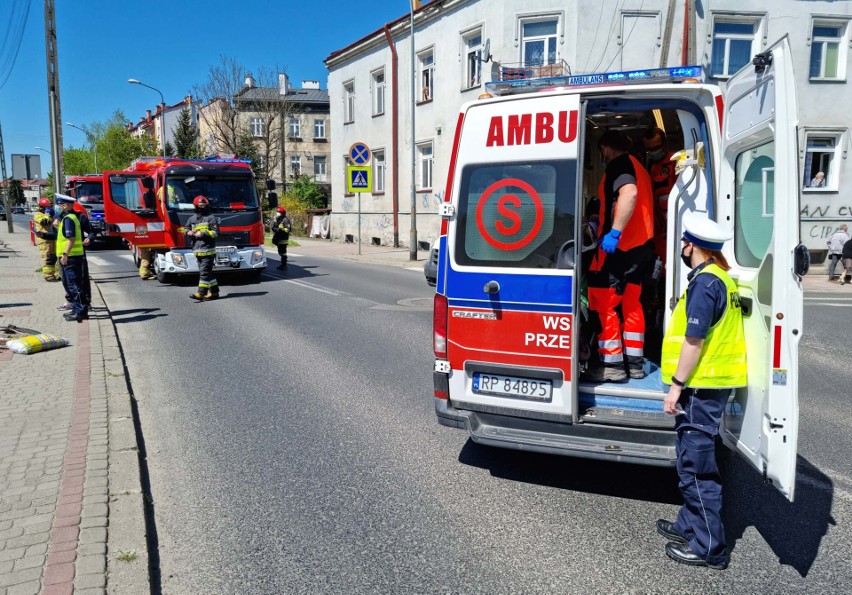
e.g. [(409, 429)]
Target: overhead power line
[(15, 27)]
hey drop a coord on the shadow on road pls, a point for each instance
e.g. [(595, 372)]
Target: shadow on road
[(794, 530), (135, 315), (622, 480), (16, 305)]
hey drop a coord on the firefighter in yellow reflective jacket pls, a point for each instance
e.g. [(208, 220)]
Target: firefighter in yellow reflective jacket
[(203, 228), (46, 235), (703, 359)]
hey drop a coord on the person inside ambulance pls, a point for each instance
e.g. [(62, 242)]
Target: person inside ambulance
[(703, 359), (661, 168), (626, 226)]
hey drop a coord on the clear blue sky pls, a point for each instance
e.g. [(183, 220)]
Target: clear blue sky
[(102, 43)]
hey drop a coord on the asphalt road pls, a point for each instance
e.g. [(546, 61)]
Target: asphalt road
[(292, 447)]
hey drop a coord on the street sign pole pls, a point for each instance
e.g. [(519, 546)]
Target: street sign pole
[(359, 224)]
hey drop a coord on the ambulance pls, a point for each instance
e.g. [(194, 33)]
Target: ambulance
[(512, 330), (149, 203)]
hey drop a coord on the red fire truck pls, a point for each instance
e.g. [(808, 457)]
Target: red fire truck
[(149, 203), (89, 192)]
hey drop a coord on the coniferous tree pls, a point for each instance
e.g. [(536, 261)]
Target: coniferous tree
[(186, 136)]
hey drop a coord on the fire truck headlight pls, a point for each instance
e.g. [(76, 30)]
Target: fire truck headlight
[(256, 256), (179, 260)]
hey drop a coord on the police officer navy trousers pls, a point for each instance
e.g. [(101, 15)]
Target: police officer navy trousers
[(699, 520)]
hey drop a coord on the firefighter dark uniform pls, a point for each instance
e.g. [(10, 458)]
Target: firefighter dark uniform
[(203, 228), (46, 239), (709, 314), (615, 278), (69, 251), (281, 235)]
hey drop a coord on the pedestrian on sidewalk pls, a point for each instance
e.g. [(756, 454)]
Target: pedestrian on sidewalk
[(835, 249), (847, 262), (203, 228), (86, 228), (69, 249), (43, 225), (281, 235)]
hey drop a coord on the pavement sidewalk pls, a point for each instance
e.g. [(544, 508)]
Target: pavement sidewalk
[(71, 505), (386, 255)]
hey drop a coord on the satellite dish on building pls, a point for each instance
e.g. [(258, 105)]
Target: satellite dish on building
[(486, 51)]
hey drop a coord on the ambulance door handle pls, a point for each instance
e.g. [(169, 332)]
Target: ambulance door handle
[(491, 287)]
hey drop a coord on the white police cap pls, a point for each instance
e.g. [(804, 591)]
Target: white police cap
[(704, 232), (64, 198)]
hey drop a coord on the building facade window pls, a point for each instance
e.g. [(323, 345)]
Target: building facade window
[(426, 68), (378, 171), (320, 168), (258, 129), (379, 92), (349, 102), (472, 43), (261, 162), (319, 128), (822, 160), (733, 44), (539, 41), (294, 128), (828, 50), (424, 166), (295, 166)]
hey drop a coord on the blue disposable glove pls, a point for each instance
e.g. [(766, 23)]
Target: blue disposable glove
[(610, 241)]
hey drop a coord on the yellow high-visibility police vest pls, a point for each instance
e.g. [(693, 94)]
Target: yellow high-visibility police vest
[(722, 363), (62, 241)]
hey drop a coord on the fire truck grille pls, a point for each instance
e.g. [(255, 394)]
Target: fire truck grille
[(238, 239)]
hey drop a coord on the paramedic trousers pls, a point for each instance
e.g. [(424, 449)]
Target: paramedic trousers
[(699, 520), (206, 281), (74, 283), (619, 283)]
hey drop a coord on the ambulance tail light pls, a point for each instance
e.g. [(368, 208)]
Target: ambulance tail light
[(439, 326)]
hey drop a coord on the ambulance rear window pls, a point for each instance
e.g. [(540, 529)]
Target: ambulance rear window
[(515, 214)]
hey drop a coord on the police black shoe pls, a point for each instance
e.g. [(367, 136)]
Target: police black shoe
[(681, 553), (76, 317), (667, 530)]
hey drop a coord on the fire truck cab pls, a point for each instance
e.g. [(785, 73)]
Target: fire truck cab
[(89, 192), (149, 203), (512, 330)]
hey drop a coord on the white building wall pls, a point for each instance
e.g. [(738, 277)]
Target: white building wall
[(593, 36)]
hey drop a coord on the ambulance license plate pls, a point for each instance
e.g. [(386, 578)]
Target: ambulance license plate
[(512, 387)]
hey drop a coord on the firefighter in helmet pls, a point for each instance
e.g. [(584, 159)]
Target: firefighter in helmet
[(46, 234), (281, 235), (203, 228)]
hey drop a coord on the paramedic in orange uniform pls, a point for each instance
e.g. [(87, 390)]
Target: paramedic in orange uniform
[(661, 168), (616, 273)]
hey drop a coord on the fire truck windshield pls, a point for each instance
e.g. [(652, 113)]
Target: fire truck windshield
[(227, 193), (89, 192)]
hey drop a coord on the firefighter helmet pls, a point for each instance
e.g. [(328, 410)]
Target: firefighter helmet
[(79, 208), (199, 199), (43, 202), (282, 209)]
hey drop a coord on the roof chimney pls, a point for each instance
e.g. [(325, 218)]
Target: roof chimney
[(314, 85), (283, 83), (249, 81), (147, 114)]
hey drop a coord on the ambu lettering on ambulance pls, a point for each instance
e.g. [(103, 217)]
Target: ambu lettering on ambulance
[(518, 129)]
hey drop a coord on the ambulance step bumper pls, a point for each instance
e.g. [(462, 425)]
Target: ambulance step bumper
[(593, 441)]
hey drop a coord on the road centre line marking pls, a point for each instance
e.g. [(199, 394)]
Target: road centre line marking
[(314, 287), (836, 305), (827, 299)]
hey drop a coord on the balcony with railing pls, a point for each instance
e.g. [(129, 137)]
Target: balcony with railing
[(525, 70)]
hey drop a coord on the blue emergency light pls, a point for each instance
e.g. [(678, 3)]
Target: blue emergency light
[(677, 74)]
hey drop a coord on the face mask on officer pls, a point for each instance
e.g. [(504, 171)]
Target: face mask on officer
[(202, 207), (687, 259), (655, 156)]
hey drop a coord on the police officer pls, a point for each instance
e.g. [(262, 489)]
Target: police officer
[(43, 224), (203, 228), (69, 250), (703, 359), (626, 226), (281, 235)]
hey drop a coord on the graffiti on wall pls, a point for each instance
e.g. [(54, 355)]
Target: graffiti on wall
[(819, 221)]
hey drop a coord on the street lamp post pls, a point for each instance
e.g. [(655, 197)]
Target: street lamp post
[(162, 112), (91, 138), (51, 159)]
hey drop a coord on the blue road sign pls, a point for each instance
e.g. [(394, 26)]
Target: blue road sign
[(359, 153)]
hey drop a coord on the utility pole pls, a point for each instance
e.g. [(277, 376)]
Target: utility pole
[(51, 51), (6, 204)]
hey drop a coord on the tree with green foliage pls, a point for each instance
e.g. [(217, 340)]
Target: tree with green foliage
[(16, 193), (114, 145), (170, 149), (186, 136), (307, 191)]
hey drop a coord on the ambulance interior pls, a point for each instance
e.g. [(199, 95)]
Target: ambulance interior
[(636, 401)]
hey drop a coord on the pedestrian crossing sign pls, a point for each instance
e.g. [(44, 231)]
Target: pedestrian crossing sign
[(358, 179)]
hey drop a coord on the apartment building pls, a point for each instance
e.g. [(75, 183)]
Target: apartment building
[(459, 45)]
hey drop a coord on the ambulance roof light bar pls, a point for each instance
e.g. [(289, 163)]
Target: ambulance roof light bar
[(677, 74)]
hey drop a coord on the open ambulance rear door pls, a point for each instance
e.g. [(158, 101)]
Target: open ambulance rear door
[(759, 192), (131, 214)]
